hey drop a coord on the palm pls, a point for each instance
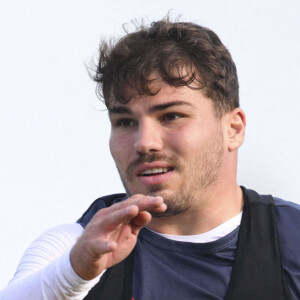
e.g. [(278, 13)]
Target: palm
[(126, 240)]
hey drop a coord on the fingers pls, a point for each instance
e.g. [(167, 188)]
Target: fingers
[(112, 220), (104, 246), (141, 220), (144, 203), (123, 212), (112, 233), (132, 210)]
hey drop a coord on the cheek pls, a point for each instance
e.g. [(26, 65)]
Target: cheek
[(120, 148), (190, 140), (185, 139)]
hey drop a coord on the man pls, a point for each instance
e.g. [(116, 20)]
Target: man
[(185, 229)]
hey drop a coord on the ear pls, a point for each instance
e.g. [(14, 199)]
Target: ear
[(235, 128)]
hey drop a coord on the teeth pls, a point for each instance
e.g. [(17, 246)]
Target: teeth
[(154, 171)]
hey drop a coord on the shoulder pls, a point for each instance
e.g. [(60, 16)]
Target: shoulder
[(288, 225), (287, 214), (280, 203), (288, 221), (98, 204), (288, 229)]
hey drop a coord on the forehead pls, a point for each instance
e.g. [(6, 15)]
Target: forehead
[(165, 96)]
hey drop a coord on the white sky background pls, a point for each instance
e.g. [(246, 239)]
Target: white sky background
[(54, 157)]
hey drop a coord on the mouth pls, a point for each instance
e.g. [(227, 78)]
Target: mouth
[(155, 171)]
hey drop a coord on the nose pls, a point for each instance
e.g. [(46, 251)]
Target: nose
[(148, 138)]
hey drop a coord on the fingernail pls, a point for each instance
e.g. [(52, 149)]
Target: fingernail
[(154, 199), (127, 209)]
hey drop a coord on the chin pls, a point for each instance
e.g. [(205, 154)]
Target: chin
[(154, 190), (170, 212)]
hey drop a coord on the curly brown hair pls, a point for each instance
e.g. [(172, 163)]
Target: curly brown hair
[(180, 53)]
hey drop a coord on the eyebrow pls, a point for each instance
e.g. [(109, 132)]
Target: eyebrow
[(152, 109), (119, 110)]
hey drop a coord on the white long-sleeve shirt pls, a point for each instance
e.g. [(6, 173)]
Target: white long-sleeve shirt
[(45, 271)]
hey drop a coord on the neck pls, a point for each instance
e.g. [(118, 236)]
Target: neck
[(211, 209)]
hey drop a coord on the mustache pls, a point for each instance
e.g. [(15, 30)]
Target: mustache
[(148, 158)]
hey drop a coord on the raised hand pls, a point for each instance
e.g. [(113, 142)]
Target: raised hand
[(112, 234)]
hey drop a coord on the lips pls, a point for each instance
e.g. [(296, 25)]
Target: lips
[(154, 173), (153, 168)]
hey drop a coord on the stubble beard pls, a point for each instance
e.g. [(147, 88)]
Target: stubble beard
[(202, 172)]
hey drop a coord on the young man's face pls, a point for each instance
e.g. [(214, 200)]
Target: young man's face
[(170, 144)]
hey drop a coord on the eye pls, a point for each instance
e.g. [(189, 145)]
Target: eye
[(171, 117), (124, 123)]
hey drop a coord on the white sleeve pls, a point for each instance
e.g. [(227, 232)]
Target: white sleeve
[(45, 271)]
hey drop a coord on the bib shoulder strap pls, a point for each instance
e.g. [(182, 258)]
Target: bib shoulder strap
[(257, 272), (116, 282)]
